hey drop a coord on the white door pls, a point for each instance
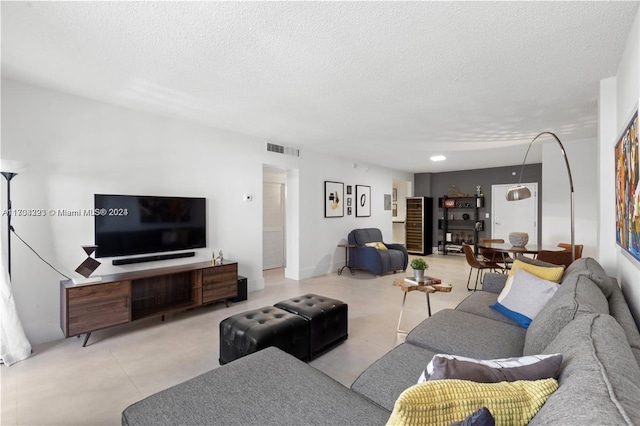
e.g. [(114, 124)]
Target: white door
[(514, 216), (273, 225)]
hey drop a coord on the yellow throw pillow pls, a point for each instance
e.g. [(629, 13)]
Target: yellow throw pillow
[(379, 245), (442, 402), (548, 273)]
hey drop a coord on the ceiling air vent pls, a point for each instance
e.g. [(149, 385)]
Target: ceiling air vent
[(279, 149)]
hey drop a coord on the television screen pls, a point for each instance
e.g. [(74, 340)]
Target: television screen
[(131, 224)]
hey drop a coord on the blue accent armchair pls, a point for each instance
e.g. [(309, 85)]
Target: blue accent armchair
[(379, 262)]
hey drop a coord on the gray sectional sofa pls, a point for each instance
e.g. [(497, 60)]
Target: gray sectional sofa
[(588, 321)]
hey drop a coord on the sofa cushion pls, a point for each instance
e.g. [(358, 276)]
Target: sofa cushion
[(636, 354), (594, 271), (446, 401), (384, 381), (576, 295), (602, 281), (599, 379), (461, 333), (585, 264), (524, 296), (478, 302), (269, 387), (619, 309), (493, 282)]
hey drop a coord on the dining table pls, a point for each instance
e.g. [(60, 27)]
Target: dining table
[(506, 248)]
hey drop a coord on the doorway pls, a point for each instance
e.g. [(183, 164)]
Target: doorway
[(401, 190), (514, 216), (273, 218)]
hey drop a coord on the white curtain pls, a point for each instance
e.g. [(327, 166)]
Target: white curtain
[(14, 345)]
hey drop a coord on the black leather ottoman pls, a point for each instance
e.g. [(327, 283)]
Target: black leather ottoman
[(252, 331), (327, 320)]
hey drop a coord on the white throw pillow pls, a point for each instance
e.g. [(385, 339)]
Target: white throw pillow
[(523, 297)]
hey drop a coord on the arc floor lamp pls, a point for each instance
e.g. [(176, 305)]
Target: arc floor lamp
[(521, 192)]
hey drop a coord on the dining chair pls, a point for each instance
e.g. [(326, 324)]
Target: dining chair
[(567, 247), (497, 256), (556, 257), (474, 263)]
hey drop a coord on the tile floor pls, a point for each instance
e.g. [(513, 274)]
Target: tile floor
[(65, 384)]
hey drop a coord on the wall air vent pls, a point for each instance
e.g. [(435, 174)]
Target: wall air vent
[(279, 149)]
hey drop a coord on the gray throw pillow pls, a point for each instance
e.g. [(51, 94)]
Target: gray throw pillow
[(444, 368)]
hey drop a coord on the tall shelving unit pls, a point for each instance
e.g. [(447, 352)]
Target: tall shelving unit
[(457, 228), (419, 225)]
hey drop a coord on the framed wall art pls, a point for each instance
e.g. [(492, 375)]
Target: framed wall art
[(333, 199), (387, 201), (363, 201), (627, 188)]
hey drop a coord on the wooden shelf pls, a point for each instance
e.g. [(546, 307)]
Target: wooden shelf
[(470, 205), (461, 225)]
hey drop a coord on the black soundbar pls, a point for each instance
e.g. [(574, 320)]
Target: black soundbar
[(129, 260)]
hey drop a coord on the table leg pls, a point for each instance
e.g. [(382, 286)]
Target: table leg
[(428, 303), (401, 312), (346, 263)]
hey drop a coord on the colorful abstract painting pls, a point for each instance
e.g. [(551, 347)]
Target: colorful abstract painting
[(628, 189)]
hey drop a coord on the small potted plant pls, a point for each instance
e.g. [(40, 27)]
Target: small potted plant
[(419, 266)]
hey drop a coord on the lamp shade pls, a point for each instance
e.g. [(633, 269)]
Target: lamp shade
[(518, 192), (11, 166)]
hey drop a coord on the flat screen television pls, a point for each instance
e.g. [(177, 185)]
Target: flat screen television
[(133, 224)]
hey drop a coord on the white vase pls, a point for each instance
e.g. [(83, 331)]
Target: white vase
[(518, 239)]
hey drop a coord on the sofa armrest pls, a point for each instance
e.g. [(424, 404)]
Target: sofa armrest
[(493, 282), (395, 246), (403, 249)]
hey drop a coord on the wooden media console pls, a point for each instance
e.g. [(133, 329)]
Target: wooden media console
[(129, 296)]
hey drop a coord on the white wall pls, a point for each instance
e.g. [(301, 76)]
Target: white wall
[(556, 207), (607, 129), (319, 236), (625, 90), (76, 147)]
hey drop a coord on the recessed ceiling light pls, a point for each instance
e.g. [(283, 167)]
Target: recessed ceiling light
[(438, 158)]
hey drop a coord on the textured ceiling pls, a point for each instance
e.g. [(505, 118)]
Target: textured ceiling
[(386, 83)]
